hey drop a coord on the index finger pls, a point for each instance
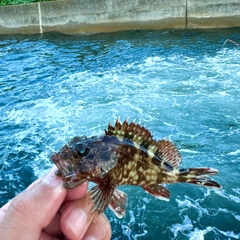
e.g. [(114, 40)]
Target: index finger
[(77, 192), (4, 208)]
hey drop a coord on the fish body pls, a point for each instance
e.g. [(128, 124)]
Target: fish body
[(126, 154)]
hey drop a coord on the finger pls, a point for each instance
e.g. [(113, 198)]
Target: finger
[(36, 182), (39, 180), (77, 192), (54, 226), (2, 214), (72, 194), (31, 186), (99, 229), (76, 218), (32, 210), (4, 208), (45, 236)]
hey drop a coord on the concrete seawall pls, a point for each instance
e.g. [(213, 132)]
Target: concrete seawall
[(92, 16)]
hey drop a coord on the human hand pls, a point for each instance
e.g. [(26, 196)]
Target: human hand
[(48, 211)]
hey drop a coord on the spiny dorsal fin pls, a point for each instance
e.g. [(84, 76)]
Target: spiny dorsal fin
[(132, 131), (163, 149), (167, 151)]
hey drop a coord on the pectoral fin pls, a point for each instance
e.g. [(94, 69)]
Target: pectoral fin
[(100, 196), (118, 203), (157, 191)]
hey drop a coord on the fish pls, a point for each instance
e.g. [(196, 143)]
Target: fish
[(126, 154)]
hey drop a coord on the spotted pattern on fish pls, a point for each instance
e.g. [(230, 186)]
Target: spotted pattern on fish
[(126, 154)]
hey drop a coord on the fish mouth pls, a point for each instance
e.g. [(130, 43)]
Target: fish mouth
[(67, 171)]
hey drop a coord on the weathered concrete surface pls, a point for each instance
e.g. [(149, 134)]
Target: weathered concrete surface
[(81, 16), (92, 16), (213, 13), (19, 19)]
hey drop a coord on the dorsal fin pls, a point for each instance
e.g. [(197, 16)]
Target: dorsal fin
[(163, 149), (132, 131), (167, 151)]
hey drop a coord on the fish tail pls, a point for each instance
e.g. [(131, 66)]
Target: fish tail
[(198, 176)]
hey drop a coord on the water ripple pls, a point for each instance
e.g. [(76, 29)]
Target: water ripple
[(182, 85)]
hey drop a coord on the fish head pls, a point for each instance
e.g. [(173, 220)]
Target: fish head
[(84, 159)]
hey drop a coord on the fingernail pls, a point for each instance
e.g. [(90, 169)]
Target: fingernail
[(51, 179), (89, 238), (75, 219)]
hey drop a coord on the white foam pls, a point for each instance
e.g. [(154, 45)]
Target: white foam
[(198, 234), (187, 229), (228, 196), (152, 61), (175, 94), (128, 227), (228, 212), (189, 151), (189, 203), (234, 153), (186, 225)]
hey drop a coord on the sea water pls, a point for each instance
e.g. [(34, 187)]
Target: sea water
[(182, 85)]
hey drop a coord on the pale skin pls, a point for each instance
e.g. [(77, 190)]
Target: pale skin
[(48, 211)]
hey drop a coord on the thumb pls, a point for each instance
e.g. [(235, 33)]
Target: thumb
[(32, 210)]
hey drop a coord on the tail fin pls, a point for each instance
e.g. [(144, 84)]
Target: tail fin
[(198, 176)]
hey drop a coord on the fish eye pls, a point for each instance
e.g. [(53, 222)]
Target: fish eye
[(80, 150)]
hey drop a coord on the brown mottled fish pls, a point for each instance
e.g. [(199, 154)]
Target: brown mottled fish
[(126, 154)]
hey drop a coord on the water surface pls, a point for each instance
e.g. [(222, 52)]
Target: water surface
[(182, 85)]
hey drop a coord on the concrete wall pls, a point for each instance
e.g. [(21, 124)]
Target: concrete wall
[(91, 16), (213, 13)]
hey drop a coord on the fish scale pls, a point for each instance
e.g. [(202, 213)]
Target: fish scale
[(126, 154)]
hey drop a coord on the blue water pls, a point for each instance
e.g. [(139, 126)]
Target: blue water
[(182, 85)]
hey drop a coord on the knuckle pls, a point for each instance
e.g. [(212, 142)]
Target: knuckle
[(19, 206), (24, 204)]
